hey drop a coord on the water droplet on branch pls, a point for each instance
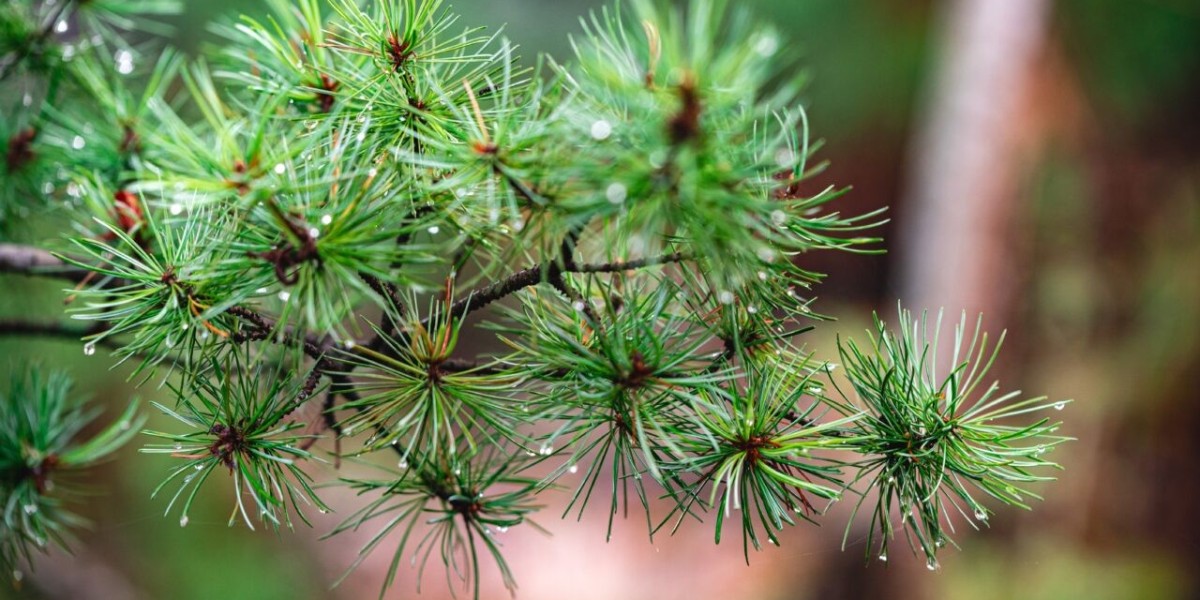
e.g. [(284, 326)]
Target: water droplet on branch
[(601, 130), (616, 193)]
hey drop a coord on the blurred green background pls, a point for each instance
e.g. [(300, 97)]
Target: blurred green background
[(1101, 227)]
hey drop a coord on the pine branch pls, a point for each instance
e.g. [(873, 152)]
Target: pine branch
[(548, 273)]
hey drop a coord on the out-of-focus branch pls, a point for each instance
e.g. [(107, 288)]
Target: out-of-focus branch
[(27, 260)]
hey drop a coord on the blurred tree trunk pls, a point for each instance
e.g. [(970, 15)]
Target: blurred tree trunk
[(954, 244)]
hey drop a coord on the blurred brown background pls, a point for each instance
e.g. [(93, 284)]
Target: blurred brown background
[(1042, 164)]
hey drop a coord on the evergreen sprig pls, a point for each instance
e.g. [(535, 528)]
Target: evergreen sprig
[(236, 414), (319, 211), (465, 497), (753, 453), (41, 453), (928, 441), (414, 396)]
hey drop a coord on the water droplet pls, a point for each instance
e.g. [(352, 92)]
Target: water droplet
[(183, 521), (658, 158), (349, 344), (314, 233), (403, 464), (785, 157), (766, 45), (30, 508), (932, 564), (310, 124), (573, 469), (280, 168), (546, 450), (1060, 405), (725, 297), (762, 275), (27, 100), (178, 445), (47, 188), (778, 217), (882, 558), (940, 542), (766, 255), (199, 466), (434, 229), (601, 130), (751, 309), (18, 575), (176, 209), (830, 367), (78, 142), (981, 514), (285, 295), (124, 60), (125, 425), (61, 26), (616, 193), (89, 348), (502, 529), (457, 471), (891, 479)]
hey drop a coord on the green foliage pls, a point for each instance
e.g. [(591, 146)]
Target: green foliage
[(41, 454), (318, 215), (235, 416), (927, 441), (416, 402), (463, 496)]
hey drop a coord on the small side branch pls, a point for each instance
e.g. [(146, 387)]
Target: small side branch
[(550, 273), (633, 265)]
